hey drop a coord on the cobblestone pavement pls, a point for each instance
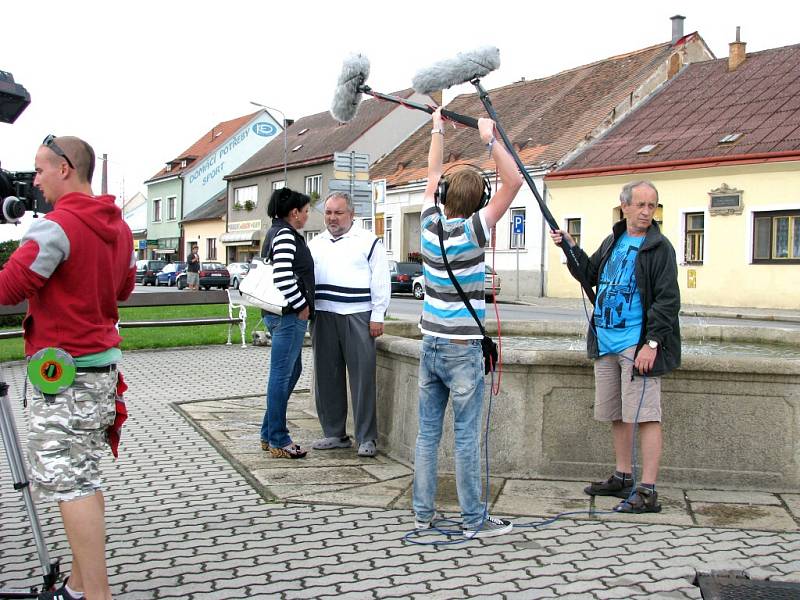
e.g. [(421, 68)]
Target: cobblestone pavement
[(188, 520)]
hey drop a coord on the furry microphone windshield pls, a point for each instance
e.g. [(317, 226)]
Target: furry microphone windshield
[(453, 71), (349, 88)]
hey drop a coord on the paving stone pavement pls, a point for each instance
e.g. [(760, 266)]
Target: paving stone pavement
[(188, 520)]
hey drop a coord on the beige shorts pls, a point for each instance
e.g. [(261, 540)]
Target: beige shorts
[(617, 398), (68, 437)]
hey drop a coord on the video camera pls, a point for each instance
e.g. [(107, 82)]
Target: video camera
[(17, 192)]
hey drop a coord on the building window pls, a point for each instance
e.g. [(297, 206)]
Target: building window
[(574, 229), (310, 235), (171, 208), (516, 240), (693, 246), (157, 210), (277, 185), (387, 235), (313, 184), (211, 248), (243, 195), (776, 237), (366, 224)]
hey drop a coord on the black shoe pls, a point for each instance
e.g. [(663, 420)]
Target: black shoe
[(613, 486), (60, 594), (643, 500)]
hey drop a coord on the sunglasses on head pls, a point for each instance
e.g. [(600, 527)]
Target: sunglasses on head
[(50, 142)]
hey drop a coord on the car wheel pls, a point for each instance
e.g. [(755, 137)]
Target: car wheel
[(419, 292), (206, 287), (223, 287), (181, 284)]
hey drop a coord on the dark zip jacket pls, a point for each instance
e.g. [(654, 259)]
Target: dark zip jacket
[(657, 280)]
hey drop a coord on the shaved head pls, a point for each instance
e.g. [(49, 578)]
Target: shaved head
[(80, 153)]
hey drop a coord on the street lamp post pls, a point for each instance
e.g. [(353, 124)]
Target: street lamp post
[(283, 116)]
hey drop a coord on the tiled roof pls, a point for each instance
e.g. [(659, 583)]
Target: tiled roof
[(204, 146), (689, 116), (211, 209), (318, 136), (544, 118)]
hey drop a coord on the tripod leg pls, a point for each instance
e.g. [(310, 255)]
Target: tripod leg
[(11, 442)]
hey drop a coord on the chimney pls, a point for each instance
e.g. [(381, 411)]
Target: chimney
[(677, 27), (737, 54)]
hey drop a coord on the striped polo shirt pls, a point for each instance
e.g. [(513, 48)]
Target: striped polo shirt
[(443, 312)]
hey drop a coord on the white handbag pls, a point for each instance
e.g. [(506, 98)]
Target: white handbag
[(258, 288)]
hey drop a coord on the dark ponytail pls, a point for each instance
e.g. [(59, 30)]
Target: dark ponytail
[(284, 200)]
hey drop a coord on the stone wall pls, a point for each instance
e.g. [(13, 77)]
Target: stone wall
[(728, 421)]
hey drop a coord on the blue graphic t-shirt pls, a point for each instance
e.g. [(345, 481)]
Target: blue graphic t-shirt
[(618, 310)]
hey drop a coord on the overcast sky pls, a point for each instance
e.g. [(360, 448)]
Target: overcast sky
[(141, 81)]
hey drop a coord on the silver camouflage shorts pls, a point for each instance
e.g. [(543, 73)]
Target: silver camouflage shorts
[(68, 437)]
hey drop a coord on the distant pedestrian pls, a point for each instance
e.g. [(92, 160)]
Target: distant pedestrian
[(294, 277), (351, 298), (193, 269), (634, 333)]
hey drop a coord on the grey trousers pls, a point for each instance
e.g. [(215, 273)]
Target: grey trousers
[(343, 346)]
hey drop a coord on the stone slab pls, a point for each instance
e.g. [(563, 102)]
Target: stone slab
[(773, 518)]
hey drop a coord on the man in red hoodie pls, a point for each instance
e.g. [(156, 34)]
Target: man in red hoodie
[(73, 266)]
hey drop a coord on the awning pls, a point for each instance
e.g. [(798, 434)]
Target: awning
[(165, 250), (239, 238)]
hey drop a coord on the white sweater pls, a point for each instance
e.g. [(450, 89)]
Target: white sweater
[(351, 273)]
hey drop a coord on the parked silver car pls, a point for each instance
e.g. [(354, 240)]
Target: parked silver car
[(238, 270)]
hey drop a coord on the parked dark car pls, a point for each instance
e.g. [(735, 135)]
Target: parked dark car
[(212, 274), (402, 274), (169, 273), (146, 271)]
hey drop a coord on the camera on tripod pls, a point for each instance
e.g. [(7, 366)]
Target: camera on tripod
[(17, 192)]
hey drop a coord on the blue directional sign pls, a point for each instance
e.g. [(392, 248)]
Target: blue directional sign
[(519, 224)]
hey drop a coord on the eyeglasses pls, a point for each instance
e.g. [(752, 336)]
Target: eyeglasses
[(50, 142)]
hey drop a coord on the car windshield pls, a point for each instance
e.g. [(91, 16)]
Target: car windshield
[(212, 266), (170, 268), (409, 268), (155, 265)]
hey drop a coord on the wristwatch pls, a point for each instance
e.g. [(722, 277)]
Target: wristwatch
[(437, 130), (653, 344)]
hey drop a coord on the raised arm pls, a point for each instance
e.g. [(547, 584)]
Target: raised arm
[(435, 154), (510, 177)]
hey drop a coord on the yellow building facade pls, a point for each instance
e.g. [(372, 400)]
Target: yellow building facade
[(741, 250)]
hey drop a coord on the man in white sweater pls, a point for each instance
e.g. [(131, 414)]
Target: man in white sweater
[(351, 297)]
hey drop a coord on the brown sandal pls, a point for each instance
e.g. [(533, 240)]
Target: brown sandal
[(290, 451)]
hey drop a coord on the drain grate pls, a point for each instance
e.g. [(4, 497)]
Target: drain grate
[(729, 587)]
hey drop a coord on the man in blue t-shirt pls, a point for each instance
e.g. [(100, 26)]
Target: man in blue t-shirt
[(634, 337)]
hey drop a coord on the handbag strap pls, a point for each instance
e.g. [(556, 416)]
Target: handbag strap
[(460, 291)]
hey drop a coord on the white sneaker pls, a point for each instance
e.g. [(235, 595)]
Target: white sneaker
[(422, 524), (491, 526)]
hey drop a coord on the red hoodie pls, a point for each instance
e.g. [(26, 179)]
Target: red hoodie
[(73, 266)]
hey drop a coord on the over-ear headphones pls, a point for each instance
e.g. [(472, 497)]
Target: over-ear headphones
[(440, 195)]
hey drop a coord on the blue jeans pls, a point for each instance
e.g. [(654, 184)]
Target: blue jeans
[(449, 371), (285, 366)]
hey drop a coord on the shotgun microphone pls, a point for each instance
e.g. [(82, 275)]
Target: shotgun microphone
[(353, 83), (453, 71), (349, 88)]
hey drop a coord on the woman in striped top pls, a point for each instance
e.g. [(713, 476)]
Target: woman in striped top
[(294, 277)]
